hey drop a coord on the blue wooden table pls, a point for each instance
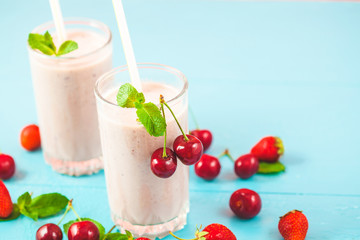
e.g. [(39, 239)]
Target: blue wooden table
[(290, 69)]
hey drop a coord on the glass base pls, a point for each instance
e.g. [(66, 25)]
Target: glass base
[(75, 168), (153, 231)]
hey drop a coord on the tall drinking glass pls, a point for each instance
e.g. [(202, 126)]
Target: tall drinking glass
[(141, 202), (64, 95)]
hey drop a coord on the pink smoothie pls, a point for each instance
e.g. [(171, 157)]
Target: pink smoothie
[(66, 105), (140, 202)]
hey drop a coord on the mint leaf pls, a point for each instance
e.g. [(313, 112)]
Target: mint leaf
[(45, 44), (128, 96), (38, 41), (67, 225), (49, 41), (66, 47), (24, 200), (31, 214), (14, 215), (116, 236), (270, 168), (47, 205), (150, 116)]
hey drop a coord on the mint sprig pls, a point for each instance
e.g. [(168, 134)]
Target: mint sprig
[(42, 206), (45, 44), (148, 113)]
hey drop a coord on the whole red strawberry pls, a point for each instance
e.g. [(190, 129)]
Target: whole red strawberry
[(217, 231), (6, 205), (143, 238), (269, 149), (293, 225), (213, 231)]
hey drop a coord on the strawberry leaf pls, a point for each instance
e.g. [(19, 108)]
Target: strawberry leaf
[(271, 168)]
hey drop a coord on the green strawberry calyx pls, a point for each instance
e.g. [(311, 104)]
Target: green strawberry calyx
[(291, 212), (280, 146), (199, 235)]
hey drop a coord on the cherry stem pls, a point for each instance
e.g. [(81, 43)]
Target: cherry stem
[(227, 153), (163, 112), (194, 118), (109, 232), (66, 211), (186, 138), (72, 208), (180, 238)]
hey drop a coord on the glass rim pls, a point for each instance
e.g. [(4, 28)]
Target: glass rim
[(158, 66), (74, 21)]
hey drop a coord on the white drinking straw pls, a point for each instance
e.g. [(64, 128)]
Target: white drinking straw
[(126, 42), (58, 20)]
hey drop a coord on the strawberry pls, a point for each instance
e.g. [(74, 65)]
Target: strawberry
[(213, 231), (143, 238), (268, 149), (6, 205), (293, 225), (218, 232)]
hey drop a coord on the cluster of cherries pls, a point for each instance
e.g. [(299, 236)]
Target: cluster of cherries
[(188, 148), (268, 149), (81, 230), (77, 231)]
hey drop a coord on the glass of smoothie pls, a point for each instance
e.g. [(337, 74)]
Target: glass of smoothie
[(140, 202), (64, 95)]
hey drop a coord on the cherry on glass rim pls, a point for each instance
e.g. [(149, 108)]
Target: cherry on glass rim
[(163, 167), (208, 167), (188, 151)]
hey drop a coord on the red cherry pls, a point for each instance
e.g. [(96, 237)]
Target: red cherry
[(7, 166), (246, 166), (208, 167), (188, 151), (161, 166), (204, 136), (30, 137), (49, 231), (245, 203), (84, 230)]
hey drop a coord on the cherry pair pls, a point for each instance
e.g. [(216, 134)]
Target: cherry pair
[(187, 148), (209, 166), (77, 231)]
